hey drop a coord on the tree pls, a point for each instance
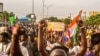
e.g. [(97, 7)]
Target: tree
[(29, 15), (93, 20), (5, 15), (1, 17), (67, 21), (11, 14), (54, 19)]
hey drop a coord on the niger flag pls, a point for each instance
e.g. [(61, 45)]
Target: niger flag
[(72, 29)]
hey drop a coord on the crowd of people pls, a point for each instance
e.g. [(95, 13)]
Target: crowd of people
[(25, 41)]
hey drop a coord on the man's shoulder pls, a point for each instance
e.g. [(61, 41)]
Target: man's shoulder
[(23, 48), (57, 44)]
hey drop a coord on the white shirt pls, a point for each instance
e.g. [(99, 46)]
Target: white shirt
[(2, 47), (21, 43), (74, 50), (23, 50), (50, 46), (3, 29)]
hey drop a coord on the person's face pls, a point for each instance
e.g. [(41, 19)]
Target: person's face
[(22, 38), (58, 52)]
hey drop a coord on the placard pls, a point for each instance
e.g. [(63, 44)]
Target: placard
[(56, 26)]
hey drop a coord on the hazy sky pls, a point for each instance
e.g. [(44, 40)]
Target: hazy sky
[(59, 8)]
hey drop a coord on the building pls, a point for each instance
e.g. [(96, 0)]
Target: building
[(24, 21), (93, 13), (1, 7)]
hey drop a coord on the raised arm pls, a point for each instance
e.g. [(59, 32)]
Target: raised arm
[(40, 40), (15, 48), (83, 42), (83, 37)]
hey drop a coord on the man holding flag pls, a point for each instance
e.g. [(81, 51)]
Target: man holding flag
[(72, 28), (61, 50)]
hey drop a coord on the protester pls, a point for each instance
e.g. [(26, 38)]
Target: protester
[(29, 40), (61, 51), (14, 49)]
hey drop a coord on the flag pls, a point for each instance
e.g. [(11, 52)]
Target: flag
[(11, 19), (65, 39), (72, 29)]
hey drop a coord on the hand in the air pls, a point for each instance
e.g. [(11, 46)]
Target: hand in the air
[(42, 24), (16, 29)]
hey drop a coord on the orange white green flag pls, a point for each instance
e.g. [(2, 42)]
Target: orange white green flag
[(72, 28)]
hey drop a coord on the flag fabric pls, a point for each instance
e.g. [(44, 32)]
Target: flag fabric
[(65, 39), (73, 26), (66, 36), (11, 19), (74, 34), (72, 29)]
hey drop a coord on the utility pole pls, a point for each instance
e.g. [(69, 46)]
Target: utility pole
[(84, 15), (70, 15), (33, 17), (32, 6), (47, 7), (43, 1)]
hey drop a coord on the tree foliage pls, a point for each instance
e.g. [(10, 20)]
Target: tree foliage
[(5, 15), (29, 15), (11, 14), (54, 19), (93, 20), (67, 21)]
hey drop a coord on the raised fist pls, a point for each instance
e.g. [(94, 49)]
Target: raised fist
[(42, 24), (15, 29)]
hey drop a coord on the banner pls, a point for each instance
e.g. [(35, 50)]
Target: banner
[(11, 19), (56, 26)]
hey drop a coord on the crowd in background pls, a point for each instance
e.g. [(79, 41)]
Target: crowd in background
[(28, 40)]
